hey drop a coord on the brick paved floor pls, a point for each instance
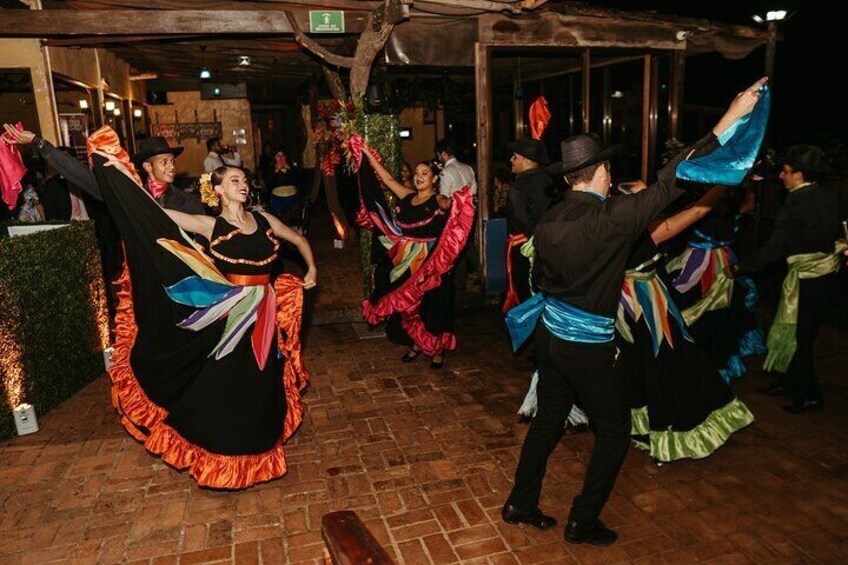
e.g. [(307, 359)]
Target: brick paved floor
[(426, 459)]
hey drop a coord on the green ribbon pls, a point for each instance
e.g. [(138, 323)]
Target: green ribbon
[(697, 443), (717, 298), (529, 251), (782, 341)]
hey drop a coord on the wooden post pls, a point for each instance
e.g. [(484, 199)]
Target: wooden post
[(130, 119), (483, 95), (571, 105), (653, 101), (101, 102), (607, 106), (518, 107), (678, 73), (586, 75), (646, 113)]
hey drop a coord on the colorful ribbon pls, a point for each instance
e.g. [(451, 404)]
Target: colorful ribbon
[(644, 296)]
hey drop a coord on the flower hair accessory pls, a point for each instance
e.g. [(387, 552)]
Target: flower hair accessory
[(207, 192)]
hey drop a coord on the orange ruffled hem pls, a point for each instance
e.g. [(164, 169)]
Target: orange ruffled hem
[(138, 413)]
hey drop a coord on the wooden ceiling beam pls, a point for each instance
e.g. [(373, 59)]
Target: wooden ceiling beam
[(70, 23), (276, 5)]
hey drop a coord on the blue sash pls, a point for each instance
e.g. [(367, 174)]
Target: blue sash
[(563, 320)]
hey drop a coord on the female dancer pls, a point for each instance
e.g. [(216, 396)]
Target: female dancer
[(719, 310), (413, 280), (207, 369), (682, 408)]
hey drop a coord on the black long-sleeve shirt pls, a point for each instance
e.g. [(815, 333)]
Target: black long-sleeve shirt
[(528, 199), (582, 243), (808, 222), (79, 175)]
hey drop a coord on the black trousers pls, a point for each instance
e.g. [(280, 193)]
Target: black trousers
[(568, 371), (815, 296), (520, 274)]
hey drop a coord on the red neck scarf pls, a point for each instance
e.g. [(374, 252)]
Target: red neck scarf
[(156, 188)]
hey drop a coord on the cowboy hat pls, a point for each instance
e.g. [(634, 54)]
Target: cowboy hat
[(530, 148), (580, 151), (153, 146), (806, 159)]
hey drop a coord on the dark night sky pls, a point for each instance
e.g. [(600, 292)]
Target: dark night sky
[(807, 105)]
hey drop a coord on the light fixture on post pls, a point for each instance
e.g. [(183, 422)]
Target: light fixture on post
[(138, 113), (110, 105), (117, 111), (773, 17), (205, 74), (83, 104), (244, 60)]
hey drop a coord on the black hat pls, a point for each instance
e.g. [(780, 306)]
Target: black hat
[(806, 159), (151, 147), (530, 148), (580, 151)]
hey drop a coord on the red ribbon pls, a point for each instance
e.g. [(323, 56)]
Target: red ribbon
[(12, 170), (511, 300), (539, 117), (356, 145)]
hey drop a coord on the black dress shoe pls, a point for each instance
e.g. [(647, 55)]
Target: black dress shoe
[(438, 364), (774, 389), (806, 406), (535, 518), (410, 355), (596, 534)]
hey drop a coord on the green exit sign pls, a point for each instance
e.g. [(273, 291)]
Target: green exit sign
[(326, 21)]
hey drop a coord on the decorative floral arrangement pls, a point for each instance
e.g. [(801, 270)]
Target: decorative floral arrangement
[(338, 133), (207, 192)]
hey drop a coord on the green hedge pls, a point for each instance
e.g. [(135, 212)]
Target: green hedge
[(382, 131), (52, 316)]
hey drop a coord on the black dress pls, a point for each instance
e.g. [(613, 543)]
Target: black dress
[(207, 370), (681, 407), (718, 311), (414, 254), (426, 222)]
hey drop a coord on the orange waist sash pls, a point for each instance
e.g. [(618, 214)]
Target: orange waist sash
[(249, 280)]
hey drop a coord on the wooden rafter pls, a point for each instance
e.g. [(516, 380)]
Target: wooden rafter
[(69, 23)]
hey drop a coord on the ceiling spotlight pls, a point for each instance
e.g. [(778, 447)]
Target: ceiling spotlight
[(216, 91), (775, 15), (244, 61), (205, 73), (110, 105), (83, 104), (617, 94), (757, 18), (138, 112)]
